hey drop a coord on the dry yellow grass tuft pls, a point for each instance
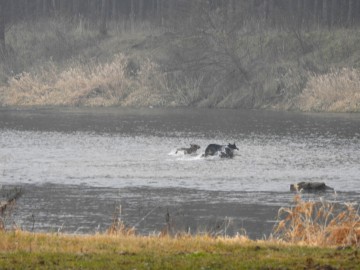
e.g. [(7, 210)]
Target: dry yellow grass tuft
[(337, 91), (118, 227), (319, 223)]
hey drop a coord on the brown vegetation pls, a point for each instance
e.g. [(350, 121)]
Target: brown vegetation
[(7, 206), (118, 227), (227, 54), (336, 91), (319, 223), (93, 84)]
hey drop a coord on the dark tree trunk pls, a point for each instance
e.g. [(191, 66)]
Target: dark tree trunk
[(325, 12), (343, 12), (300, 12), (271, 9), (153, 10), (350, 12), (76, 7), (316, 11), (159, 12), (333, 12), (132, 15), (2, 27), (292, 9), (305, 11), (141, 10), (103, 29), (171, 9), (44, 7), (114, 10), (26, 8), (266, 9), (39, 7)]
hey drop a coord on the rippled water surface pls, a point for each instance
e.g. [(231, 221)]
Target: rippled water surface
[(91, 159)]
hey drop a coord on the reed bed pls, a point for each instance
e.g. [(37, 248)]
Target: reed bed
[(336, 91), (117, 82), (319, 223)]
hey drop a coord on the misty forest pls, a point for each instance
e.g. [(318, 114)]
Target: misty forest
[(259, 54)]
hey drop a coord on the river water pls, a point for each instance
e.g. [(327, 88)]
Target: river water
[(77, 167)]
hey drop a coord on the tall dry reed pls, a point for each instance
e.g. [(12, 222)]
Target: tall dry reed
[(337, 91), (319, 223), (118, 227)]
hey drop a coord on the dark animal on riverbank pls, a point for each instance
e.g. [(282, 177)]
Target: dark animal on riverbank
[(310, 187), (225, 151), (192, 149)]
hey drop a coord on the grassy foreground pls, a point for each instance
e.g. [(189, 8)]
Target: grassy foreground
[(309, 235), (23, 250)]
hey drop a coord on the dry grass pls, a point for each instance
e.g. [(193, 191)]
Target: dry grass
[(64, 62), (7, 207), (319, 223), (58, 251), (308, 223), (89, 84), (39, 242), (337, 91), (58, 61), (118, 227)]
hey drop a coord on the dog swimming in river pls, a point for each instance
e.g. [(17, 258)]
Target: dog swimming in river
[(224, 151), (192, 149)]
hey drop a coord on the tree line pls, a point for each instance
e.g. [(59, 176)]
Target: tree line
[(173, 13), (329, 12)]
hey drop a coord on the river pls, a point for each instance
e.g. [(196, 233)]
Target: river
[(77, 167)]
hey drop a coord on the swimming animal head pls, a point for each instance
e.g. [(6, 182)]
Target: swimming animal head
[(232, 146), (194, 147)]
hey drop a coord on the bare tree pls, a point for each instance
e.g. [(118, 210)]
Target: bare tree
[(76, 7), (333, 11), (103, 29), (159, 12), (350, 12), (325, 12), (316, 11), (2, 27), (114, 10), (132, 15), (141, 10)]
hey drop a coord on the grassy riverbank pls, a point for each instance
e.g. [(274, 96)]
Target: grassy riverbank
[(61, 62), (21, 250), (310, 235)]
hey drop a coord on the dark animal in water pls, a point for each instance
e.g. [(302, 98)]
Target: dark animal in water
[(310, 187), (192, 149), (225, 151)]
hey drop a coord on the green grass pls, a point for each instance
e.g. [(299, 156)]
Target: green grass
[(309, 235), (21, 250)]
